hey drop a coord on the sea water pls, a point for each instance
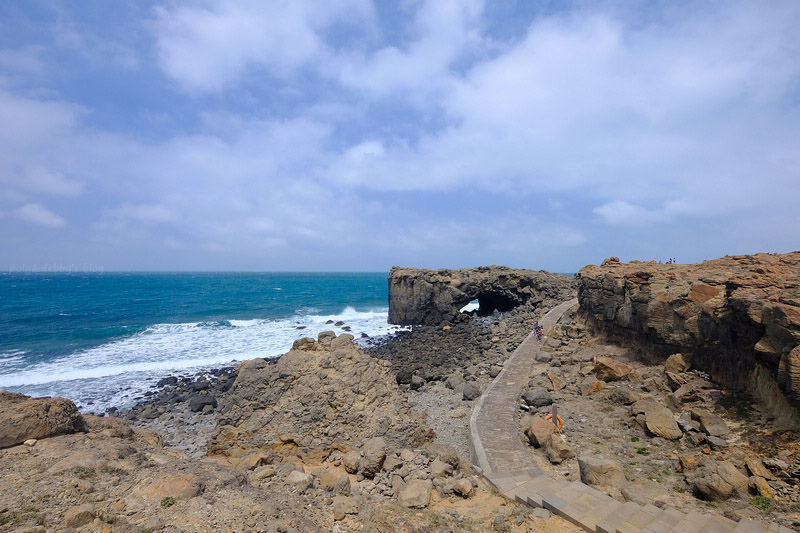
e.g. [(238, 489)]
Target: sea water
[(103, 339)]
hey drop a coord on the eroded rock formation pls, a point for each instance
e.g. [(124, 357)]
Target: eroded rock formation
[(739, 316), (430, 297), (321, 394), (23, 418)]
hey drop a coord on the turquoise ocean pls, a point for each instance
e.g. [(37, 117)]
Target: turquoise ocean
[(103, 339)]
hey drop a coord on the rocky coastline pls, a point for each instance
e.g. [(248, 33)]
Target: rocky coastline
[(333, 436)]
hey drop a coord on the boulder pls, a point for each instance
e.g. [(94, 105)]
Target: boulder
[(660, 422), (757, 468), (591, 385), (23, 418), (343, 505), (252, 461), (537, 397), (198, 401), (350, 461), (454, 381), (372, 457), (711, 424), (416, 495), (79, 515), (716, 443), (608, 369), (463, 487), (537, 429), (471, 391), (342, 486), (678, 363), (624, 395), (445, 452), (717, 480), (557, 449), (171, 484), (556, 382), (392, 463), (596, 471), (760, 485), (440, 469), (299, 480)]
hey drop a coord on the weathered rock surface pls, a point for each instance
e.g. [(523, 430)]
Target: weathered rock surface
[(416, 495), (608, 369), (717, 480), (420, 296), (23, 418), (537, 429), (320, 394), (537, 397), (733, 315), (660, 422), (557, 449), (597, 471)]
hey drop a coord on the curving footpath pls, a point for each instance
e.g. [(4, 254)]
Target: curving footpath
[(505, 461)]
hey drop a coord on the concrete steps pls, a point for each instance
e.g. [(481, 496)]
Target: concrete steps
[(595, 511)]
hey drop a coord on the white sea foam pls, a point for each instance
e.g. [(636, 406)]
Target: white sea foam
[(472, 306), (10, 360), (116, 372)]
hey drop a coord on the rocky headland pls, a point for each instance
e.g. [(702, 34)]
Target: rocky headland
[(434, 297)]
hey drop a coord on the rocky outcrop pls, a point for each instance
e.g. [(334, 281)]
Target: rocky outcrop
[(23, 418), (420, 296), (321, 394), (734, 315)]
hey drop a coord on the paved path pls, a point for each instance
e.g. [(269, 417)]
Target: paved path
[(498, 450), (496, 446)]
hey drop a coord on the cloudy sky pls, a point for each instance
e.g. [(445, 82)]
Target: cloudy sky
[(359, 134)]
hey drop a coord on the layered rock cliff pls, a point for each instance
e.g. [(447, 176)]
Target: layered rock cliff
[(430, 297), (738, 315)]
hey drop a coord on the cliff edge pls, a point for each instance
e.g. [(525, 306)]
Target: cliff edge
[(739, 316)]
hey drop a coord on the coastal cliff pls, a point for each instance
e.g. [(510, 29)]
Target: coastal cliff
[(739, 316), (431, 297)]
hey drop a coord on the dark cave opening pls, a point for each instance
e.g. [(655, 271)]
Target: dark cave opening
[(489, 302)]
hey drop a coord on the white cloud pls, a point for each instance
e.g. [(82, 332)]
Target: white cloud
[(39, 179), (622, 213), (207, 46), (592, 102), (445, 31), (40, 215)]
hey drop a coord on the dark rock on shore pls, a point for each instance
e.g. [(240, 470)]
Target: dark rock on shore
[(472, 346)]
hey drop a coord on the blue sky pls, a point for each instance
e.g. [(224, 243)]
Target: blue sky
[(357, 135)]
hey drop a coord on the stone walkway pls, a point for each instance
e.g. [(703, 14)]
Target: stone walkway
[(498, 450)]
